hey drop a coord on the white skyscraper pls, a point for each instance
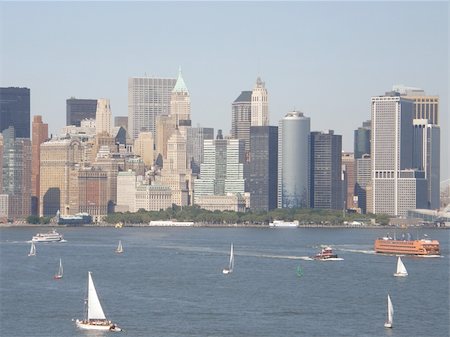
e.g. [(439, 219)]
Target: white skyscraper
[(259, 104), (147, 98), (397, 186), (103, 116)]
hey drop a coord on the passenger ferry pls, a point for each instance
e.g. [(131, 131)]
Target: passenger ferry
[(389, 245), (52, 236), (284, 224)]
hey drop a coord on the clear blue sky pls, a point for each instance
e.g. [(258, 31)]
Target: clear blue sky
[(323, 58)]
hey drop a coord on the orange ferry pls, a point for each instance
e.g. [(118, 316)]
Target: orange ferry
[(389, 245)]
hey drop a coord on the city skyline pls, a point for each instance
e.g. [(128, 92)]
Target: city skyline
[(324, 59)]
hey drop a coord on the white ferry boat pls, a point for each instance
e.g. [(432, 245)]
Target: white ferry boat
[(284, 224), (52, 236)]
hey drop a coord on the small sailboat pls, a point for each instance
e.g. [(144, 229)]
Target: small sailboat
[(59, 274), (95, 318), (119, 248), (32, 249), (401, 269), (229, 269), (390, 313)]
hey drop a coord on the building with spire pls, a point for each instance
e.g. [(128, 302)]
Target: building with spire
[(180, 102), (259, 104)]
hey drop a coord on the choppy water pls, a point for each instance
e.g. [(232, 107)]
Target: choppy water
[(168, 283)]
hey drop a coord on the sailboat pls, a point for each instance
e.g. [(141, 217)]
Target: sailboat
[(401, 269), (60, 272), (95, 318), (229, 269), (119, 248), (32, 249), (390, 313)]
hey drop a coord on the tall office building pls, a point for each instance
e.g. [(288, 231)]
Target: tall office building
[(165, 127), (241, 116), (362, 140), (103, 117), (349, 181), (79, 109), (294, 161), (147, 98), (260, 104), (39, 135), (180, 103), (16, 174), (425, 106), (143, 147), (58, 158), (15, 110), (263, 172), (426, 157), (194, 146), (396, 185), (326, 165), (363, 170)]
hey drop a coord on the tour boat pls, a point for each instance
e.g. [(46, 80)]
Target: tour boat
[(52, 236), (229, 269), (422, 247), (401, 269), (95, 318)]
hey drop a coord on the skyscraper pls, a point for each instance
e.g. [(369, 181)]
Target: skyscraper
[(294, 161), (194, 146), (263, 172), (260, 104), (396, 185), (362, 140), (349, 171), (40, 135), (241, 116), (180, 103), (15, 110), (425, 106), (103, 117), (147, 98), (326, 165), (363, 166), (79, 109)]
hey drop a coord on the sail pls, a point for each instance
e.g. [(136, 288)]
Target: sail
[(390, 311), (60, 270), (119, 247), (231, 264), (95, 310), (401, 269), (32, 249)]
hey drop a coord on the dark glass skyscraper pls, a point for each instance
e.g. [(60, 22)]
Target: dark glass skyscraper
[(263, 167), (79, 109), (326, 165), (362, 140), (15, 110), (241, 115)]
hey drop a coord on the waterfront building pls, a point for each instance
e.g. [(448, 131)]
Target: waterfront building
[(79, 109), (15, 174), (229, 202), (15, 110), (326, 166), (263, 172), (153, 197), (194, 146), (362, 140), (294, 161), (259, 104), (148, 97), (39, 135), (396, 185), (126, 198), (241, 116)]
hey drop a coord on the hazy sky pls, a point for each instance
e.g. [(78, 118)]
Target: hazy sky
[(325, 59)]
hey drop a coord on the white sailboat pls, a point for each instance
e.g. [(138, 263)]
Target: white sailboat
[(95, 318), (390, 313), (32, 249), (119, 247), (229, 269), (401, 269), (59, 274)]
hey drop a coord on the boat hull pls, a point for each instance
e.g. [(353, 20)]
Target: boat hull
[(412, 247), (97, 326), (226, 271), (388, 325), (400, 274)]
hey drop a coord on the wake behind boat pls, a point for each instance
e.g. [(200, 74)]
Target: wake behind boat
[(95, 318), (52, 236)]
